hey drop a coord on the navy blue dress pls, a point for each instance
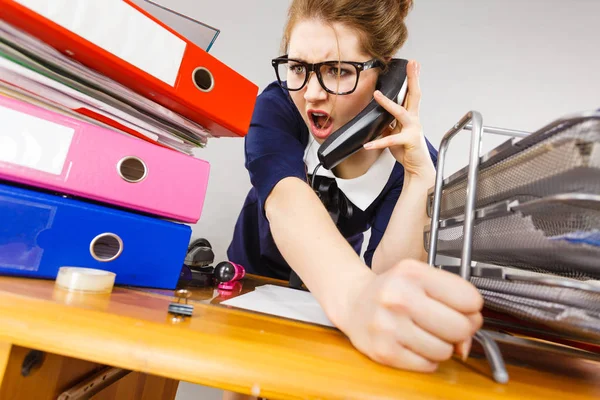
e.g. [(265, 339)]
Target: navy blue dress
[(274, 150)]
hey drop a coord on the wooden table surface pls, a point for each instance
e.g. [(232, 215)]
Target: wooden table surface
[(254, 353)]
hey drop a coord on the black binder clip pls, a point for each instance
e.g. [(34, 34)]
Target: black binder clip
[(182, 309)]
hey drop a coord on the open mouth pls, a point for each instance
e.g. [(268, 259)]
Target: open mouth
[(321, 123)]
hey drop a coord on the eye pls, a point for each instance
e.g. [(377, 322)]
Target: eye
[(337, 71), (297, 69)]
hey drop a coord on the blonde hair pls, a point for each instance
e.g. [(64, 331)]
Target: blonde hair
[(379, 23)]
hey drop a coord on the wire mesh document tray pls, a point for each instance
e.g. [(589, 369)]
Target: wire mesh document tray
[(567, 310), (559, 158), (567, 306), (558, 234), (529, 204)]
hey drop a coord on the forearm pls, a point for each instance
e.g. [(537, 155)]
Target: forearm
[(403, 237), (312, 245)]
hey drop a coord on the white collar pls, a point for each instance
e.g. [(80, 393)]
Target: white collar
[(363, 190)]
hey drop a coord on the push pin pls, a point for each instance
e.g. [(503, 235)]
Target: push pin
[(179, 308)]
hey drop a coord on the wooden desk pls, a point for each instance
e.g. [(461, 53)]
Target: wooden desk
[(242, 351)]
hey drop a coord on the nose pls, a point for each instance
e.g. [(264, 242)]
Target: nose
[(314, 92)]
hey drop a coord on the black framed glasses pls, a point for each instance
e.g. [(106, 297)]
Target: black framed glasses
[(335, 77)]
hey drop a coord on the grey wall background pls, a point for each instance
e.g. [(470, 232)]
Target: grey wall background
[(520, 63)]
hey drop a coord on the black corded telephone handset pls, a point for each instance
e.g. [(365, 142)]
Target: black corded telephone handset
[(370, 122)]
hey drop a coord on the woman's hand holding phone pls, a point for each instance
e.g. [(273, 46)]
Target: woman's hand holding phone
[(405, 137)]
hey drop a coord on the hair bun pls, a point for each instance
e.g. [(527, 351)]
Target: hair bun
[(405, 6), (381, 23)]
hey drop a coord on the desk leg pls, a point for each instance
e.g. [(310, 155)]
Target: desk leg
[(58, 373), (4, 356)]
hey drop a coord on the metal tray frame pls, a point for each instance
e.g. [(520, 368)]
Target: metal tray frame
[(473, 121)]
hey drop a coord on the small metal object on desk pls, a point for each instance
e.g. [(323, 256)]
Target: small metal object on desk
[(183, 309)]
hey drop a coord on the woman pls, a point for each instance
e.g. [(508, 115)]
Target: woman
[(400, 311)]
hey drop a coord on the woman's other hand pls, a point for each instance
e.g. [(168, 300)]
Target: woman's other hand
[(405, 137), (412, 316)]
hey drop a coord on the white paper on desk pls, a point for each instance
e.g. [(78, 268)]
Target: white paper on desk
[(282, 302)]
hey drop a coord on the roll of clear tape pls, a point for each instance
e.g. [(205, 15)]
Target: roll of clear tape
[(85, 280)]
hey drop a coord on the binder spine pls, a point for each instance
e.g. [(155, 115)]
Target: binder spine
[(43, 232), (57, 152)]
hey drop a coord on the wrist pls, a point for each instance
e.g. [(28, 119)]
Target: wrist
[(424, 176), (339, 302)]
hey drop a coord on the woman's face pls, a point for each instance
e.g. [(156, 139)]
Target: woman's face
[(312, 41)]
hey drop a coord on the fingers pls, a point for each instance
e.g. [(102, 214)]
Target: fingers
[(417, 317), (476, 320), (413, 70), (464, 349), (395, 355), (393, 108), (406, 297), (424, 343), (388, 332), (387, 141), (454, 291), (441, 321), (443, 286), (406, 117), (413, 348)]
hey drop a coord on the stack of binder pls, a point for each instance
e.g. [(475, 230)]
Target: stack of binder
[(101, 105)]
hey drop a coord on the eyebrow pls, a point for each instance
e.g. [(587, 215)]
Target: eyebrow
[(319, 62), (328, 57)]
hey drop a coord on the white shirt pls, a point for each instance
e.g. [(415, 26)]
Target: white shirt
[(363, 190)]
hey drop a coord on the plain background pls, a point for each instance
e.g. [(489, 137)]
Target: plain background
[(520, 63)]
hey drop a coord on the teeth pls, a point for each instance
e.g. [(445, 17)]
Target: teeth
[(315, 117)]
